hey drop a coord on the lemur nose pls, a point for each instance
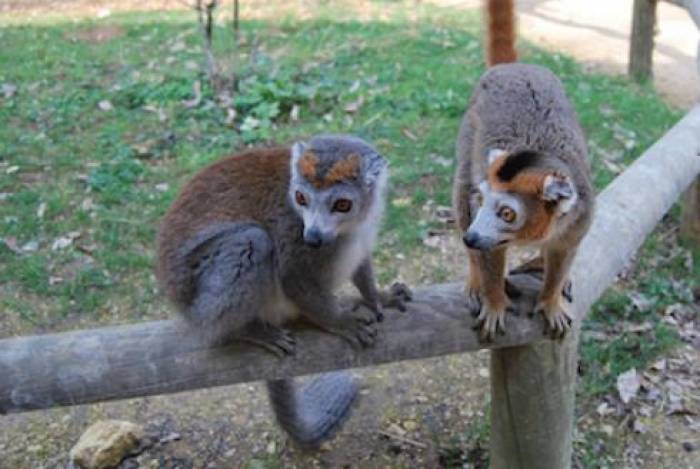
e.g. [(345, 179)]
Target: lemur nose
[(470, 239), (313, 238)]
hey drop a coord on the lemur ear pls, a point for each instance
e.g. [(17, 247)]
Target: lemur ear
[(298, 149), (374, 166), (493, 154), (559, 188)]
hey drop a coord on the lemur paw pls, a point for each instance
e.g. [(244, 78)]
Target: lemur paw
[(473, 301), (567, 292), (359, 327), (272, 338), (397, 296), (491, 322), (557, 321)]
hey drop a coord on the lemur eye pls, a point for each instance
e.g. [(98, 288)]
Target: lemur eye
[(342, 205), (299, 197), (507, 214)]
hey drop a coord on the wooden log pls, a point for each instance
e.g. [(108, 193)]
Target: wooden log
[(158, 357), (690, 215), (642, 39), (532, 387)]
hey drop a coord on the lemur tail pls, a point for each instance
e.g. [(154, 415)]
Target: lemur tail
[(310, 413), (501, 32)]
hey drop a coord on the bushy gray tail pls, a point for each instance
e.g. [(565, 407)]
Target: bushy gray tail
[(310, 413)]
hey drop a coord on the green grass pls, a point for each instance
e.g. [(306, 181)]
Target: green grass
[(96, 171)]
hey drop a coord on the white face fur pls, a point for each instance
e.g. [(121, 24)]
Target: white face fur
[(345, 208)]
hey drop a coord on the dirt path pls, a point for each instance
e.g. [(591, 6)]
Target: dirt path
[(596, 32)]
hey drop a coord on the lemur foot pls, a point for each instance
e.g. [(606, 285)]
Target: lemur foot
[(557, 321), (490, 322), (397, 296), (473, 301), (272, 338), (358, 328), (567, 292)]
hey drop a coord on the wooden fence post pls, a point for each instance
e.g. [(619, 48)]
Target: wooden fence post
[(532, 405), (690, 217), (642, 39)]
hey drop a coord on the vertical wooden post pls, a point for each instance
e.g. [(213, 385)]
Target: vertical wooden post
[(642, 39), (690, 217), (532, 405)]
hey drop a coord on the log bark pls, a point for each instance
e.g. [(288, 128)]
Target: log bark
[(642, 39), (690, 215)]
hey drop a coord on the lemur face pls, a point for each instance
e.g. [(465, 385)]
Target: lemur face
[(499, 218), (518, 202), (336, 183)]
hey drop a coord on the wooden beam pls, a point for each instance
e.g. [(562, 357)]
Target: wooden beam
[(690, 215), (532, 387), (158, 357), (642, 39)]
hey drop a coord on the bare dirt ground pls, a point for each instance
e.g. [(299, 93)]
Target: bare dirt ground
[(596, 33)]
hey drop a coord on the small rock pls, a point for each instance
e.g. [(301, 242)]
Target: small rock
[(162, 187), (628, 384), (607, 429), (325, 447), (410, 425), (396, 430), (105, 443)]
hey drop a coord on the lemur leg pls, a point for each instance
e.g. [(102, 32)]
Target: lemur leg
[(323, 309), (232, 275), (376, 300), (557, 262), (535, 267), (473, 286), (494, 302)]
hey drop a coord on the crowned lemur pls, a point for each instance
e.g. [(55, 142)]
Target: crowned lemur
[(264, 236)]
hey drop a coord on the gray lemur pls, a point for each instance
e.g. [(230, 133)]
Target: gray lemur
[(267, 235), (523, 177)]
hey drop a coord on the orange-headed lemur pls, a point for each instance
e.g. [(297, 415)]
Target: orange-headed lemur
[(260, 237), (523, 177)]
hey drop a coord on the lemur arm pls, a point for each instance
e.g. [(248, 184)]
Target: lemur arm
[(375, 299), (557, 261), (322, 308)]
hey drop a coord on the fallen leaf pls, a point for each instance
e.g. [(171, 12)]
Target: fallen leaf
[(105, 105), (8, 90), (294, 113), (230, 116), (640, 301), (11, 243), (41, 210), (628, 385), (409, 135), (63, 242), (197, 90), (30, 246), (12, 169), (354, 106), (604, 409), (162, 187)]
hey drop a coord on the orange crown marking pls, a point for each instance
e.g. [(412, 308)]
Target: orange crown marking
[(527, 181), (307, 165), (342, 170)]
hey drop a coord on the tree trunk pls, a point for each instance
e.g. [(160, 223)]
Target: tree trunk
[(642, 39)]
